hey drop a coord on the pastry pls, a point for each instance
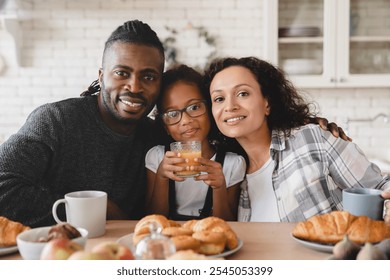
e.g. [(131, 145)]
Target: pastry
[(143, 225), (9, 230), (190, 224), (62, 230), (211, 243), (186, 242), (180, 233), (215, 224), (364, 229), (173, 223), (332, 227), (176, 231), (142, 230)]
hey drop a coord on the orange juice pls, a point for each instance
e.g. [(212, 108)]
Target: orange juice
[(188, 150), (190, 155)]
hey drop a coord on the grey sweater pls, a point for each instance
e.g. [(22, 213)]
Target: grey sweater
[(65, 147)]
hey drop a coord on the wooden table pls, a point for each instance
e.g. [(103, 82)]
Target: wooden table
[(262, 241)]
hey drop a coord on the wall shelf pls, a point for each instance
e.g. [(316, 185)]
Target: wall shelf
[(300, 40)]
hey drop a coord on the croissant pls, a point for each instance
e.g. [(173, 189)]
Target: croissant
[(216, 224), (143, 225), (9, 230), (332, 227), (141, 229), (212, 224)]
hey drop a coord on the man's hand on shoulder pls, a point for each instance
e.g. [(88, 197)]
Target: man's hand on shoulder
[(332, 127)]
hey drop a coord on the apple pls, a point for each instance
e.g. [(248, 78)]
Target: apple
[(85, 255), (115, 250), (59, 249)]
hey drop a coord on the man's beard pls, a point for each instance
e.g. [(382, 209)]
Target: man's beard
[(106, 100)]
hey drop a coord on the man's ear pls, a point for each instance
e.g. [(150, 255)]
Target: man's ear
[(100, 76)]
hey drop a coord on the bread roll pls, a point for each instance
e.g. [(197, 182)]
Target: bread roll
[(142, 226), (173, 223), (186, 242), (190, 224), (9, 230), (215, 224), (332, 227), (211, 243), (176, 231)]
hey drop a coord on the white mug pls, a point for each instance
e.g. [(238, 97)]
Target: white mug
[(85, 209)]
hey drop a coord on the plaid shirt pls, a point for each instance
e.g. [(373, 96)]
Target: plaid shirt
[(311, 169)]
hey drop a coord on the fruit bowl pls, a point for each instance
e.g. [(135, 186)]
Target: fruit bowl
[(30, 248)]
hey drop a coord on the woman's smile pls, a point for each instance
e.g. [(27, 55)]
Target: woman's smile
[(234, 120)]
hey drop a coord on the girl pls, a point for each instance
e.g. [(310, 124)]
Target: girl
[(295, 170), (184, 113)]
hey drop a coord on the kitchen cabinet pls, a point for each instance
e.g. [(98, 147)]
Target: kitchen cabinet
[(11, 26), (10, 23), (329, 43)]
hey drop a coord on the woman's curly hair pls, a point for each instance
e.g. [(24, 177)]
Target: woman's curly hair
[(288, 107)]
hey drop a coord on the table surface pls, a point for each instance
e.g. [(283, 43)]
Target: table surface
[(261, 241)]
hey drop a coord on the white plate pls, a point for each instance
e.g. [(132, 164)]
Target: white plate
[(315, 246), (8, 250), (229, 252), (127, 240)]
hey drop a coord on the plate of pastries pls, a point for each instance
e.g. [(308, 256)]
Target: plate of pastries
[(8, 231), (211, 237), (323, 232)]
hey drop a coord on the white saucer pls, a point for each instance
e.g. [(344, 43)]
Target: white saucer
[(8, 250)]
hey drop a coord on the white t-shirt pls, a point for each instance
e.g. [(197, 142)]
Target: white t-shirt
[(262, 195), (191, 194)]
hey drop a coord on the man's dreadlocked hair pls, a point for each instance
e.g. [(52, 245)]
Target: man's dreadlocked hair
[(134, 32)]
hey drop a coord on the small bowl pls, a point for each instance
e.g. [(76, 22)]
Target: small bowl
[(31, 249), (301, 66)]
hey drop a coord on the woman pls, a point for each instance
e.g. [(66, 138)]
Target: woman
[(295, 170)]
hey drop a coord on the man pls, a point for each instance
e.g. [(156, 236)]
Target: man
[(94, 142)]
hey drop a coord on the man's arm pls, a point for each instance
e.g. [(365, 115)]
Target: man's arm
[(24, 161), (332, 127)]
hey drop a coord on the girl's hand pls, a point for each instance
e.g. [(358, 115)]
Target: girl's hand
[(386, 195), (168, 166), (214, 174)]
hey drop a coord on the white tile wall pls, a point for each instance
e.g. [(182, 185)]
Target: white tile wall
[(63, 41)]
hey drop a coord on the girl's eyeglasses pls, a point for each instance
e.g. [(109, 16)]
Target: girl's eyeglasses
[(193, 110)]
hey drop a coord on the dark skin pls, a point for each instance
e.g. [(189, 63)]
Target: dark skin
[(130, 81), (332, 127)]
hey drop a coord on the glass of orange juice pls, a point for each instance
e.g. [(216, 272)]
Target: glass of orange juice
[(188, 150)]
